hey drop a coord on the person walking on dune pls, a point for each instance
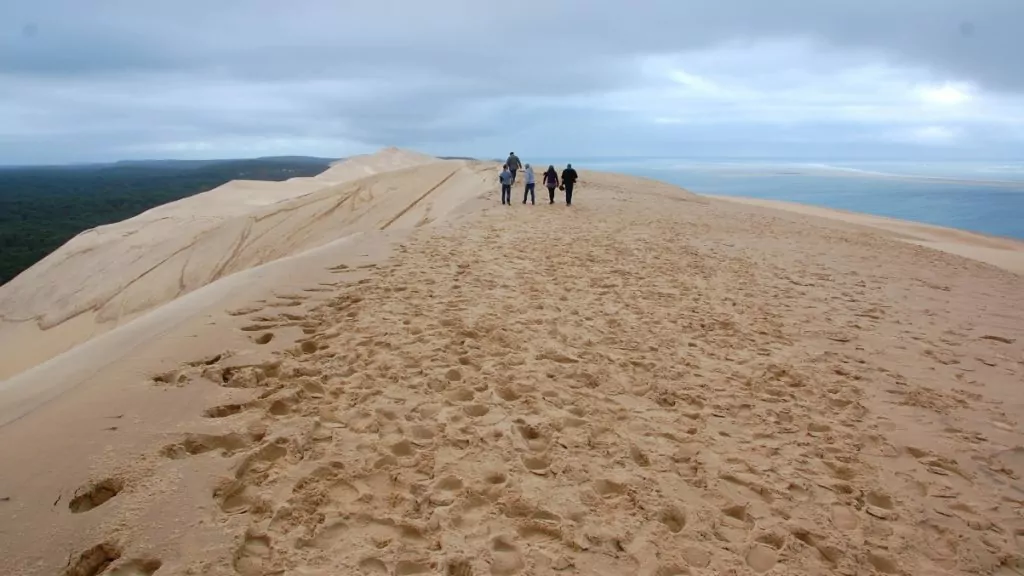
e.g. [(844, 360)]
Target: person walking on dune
[(506, 185), (531, 183), (513, 164), (551, 182), (569, 177)]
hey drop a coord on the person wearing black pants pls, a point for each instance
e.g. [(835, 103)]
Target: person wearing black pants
[(569, 177), (531, 183), (506, 185), (551, 182)]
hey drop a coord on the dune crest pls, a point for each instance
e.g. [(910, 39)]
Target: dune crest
[(116, 271), (384, 160)]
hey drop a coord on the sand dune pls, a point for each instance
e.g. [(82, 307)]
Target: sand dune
[(649, 382), (112, 273), (360, 166)]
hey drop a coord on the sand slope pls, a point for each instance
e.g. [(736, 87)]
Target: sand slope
[(648, 383), (114, 272), (1004, 253)]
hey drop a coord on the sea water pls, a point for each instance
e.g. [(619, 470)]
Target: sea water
[(986, 197)]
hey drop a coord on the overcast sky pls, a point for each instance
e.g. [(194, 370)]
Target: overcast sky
[(105, 80)]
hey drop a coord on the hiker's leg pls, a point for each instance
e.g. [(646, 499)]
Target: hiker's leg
[(551, 194), (568, 194)]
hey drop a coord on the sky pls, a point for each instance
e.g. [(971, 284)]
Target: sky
[(857, 79)]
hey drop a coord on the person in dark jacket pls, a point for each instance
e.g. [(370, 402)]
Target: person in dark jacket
[(513, 164), (551, 182), (569, 177)]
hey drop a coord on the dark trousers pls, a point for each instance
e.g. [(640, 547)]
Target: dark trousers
[(568, 193), (551, 194), (528, 191), (513, 171), (506, 193)]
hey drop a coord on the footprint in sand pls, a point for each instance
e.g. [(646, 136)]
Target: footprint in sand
[(880, 505), (673, 518), (537, 464), (458, 567), (507, 393), (403, 448), (609, 488), (735, 525), (843, 518), (223, 411), (475, 410), (413, 566), (95, 495), (506, 558), (253, 555), (761, 558), (638, 456), (534, 436), (308, 347), (446, 490), (195, 444), (460, 395), (883, 563), (138, 567), (245, 311), (233, 497), (696, 556), (258, 327), (373, 566), (93, 561), (496, 477)]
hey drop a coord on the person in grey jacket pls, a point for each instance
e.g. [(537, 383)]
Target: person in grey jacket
[(506, 185), (531, 184), (513, 164)]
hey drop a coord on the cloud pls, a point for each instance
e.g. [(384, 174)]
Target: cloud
[(933, 134), (116, 78)]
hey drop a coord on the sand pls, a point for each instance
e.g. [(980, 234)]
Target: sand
[(649, 382), (1004, 253), (113, 273)]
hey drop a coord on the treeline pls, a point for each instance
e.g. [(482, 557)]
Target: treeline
[(41, 208)]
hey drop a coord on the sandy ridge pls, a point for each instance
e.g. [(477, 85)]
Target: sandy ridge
[(116, 272), (647, 383)]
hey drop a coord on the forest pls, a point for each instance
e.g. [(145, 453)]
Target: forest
[(42, 207)]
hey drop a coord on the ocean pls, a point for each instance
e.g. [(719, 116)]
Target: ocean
[(977, 196)]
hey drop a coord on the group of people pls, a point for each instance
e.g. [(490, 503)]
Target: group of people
[(551, 181)]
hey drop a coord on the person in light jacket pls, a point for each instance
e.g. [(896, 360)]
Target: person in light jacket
[(531, 183), (551, 182)]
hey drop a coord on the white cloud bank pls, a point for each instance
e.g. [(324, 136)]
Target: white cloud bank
[(902, 78)]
